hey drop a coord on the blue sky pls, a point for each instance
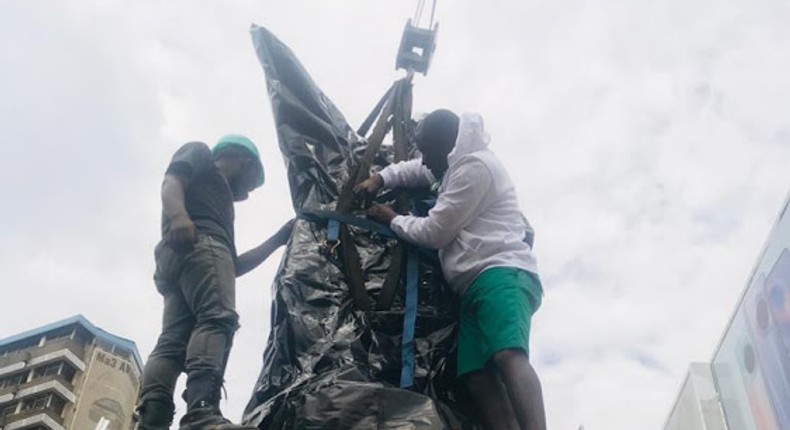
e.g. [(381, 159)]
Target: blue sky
[(649, 144)]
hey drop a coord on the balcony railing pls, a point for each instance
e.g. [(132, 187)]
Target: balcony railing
[(38, 381), (10, 419), (27, 354)]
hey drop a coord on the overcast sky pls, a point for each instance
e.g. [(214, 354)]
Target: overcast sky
[(649, 142)]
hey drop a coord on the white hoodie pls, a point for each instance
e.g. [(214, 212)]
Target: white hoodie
[(476, 223)]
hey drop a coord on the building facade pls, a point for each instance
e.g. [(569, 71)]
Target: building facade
[(747, 383), (69, 375), (697, 406)]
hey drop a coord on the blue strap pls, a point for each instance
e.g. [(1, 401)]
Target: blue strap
[(333, 220), (317, 215), (332, 230), (409, 318)]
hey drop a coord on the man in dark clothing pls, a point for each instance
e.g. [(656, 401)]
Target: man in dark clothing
[(196, 267)]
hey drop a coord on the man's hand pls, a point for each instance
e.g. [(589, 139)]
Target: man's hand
[(382, 213), (282, 235), (370, 185), (182, 236)]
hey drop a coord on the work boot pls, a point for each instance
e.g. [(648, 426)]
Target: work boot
[(207, 417), (154, 415), (202, 397)]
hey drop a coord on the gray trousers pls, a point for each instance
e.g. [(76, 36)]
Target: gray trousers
[(199, 317)]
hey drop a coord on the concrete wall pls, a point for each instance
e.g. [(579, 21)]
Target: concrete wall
[(108, 392)]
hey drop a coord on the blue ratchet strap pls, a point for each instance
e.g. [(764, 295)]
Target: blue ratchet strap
[(409, 318), (334, 219), (332, 231)]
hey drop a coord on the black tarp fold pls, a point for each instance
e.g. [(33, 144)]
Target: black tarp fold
[(328, 364)]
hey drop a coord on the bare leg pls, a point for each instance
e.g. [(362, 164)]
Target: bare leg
[(523, 388), (490, 396)]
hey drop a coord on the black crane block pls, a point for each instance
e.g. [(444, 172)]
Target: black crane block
[(416, 48)]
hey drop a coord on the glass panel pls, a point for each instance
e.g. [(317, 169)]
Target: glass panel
[(752, 365)]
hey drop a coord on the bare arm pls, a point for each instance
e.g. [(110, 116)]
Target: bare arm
[(254, 257), (182, 234)]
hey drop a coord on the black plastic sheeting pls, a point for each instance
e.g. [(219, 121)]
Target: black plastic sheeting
[(329, 365)]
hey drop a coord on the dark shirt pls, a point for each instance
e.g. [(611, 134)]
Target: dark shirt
[(208, 198)]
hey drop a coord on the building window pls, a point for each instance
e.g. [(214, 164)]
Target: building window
[(68, 373), (16, 347), (13, 380), (49, 401), (37, 403), (47, 370), (65, 370), (57, 404), (80, 338), (55, 338), (53, 369), (7, 410)]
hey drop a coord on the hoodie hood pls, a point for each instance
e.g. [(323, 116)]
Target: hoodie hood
[(472, 137)]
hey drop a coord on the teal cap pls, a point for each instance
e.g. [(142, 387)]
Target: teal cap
[(243, 141)]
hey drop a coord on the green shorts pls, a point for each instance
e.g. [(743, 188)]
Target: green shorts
[(496, 312)]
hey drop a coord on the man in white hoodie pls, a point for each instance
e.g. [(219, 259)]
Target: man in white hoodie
[(485, 250)]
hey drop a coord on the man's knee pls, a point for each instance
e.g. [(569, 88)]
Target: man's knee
[(171, 347), (220, 320), (475, 379), (210, 345)]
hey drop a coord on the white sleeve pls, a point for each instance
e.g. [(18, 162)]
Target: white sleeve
[(407, 174), (455, 208)]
